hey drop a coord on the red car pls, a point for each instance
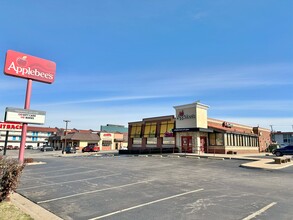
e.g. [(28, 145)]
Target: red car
[(91, 148), (9, 147)]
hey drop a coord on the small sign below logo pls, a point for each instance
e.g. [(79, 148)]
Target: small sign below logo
[(24, 115)]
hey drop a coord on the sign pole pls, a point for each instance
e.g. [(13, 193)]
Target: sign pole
[(5, 144), (24, 127)]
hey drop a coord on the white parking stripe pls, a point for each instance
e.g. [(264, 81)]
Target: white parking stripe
[(72, 181), (94, 191), (68, 174), (55, 170), (145, 204), (253, 215)]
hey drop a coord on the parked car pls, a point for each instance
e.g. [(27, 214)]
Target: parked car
[(9, 147), (47, 148), (288, 150), (29, 147), (272, 147), (70, 149), (91, 148)]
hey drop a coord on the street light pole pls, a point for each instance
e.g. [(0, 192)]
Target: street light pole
[(66, 123)]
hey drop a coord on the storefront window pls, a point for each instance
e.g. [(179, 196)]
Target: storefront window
[(152, 141), (235, 140), (166, 129), (216, 139), (228, 140), (106, 143), (288, 138), (241, 140), (168, 140), (137, 141), (135, 131), (150, 130), (219, 139)]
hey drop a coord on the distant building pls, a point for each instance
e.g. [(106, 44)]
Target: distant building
[(74, 137), (120, 138), (112, 137), (36, 136), (80, 139), (283, 138), (114, 128)]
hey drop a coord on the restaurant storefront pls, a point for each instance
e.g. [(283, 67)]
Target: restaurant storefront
[(191, 131), (192, 128), (152, 133)]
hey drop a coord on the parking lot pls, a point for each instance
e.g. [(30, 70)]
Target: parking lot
[(124, 187)]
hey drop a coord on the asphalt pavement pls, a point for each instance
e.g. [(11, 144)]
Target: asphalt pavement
[(177, 186)]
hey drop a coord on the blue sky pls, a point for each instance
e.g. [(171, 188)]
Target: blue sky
[(119, 61)]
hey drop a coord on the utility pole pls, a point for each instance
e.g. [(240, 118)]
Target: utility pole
[(66, 123), (272, 135)]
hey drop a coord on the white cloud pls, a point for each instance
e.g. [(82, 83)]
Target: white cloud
[(166, 83), (108, 99), (199, 15)]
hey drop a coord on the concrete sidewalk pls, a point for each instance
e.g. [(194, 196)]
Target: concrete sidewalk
[(257, 161)]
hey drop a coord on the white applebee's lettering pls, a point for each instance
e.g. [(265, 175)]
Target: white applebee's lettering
[(28, 71)]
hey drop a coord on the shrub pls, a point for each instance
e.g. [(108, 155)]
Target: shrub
[(10, 171), (28, 160)]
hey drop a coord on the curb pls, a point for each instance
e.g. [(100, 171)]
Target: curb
[(192, 157), (216, 158), (266, 166), (255, 168), (35, 163), (35, 211)]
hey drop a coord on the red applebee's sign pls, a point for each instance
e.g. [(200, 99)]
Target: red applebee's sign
[(25, 66)]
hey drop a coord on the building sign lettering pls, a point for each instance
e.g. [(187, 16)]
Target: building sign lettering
[(5, 126), (182, 116), (227, 125)]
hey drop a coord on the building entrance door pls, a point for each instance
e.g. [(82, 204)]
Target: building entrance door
[(186, 144), (203, 144)]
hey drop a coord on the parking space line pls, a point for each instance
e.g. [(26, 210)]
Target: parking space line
[(62, 175), (145, 204), (57, 170), (94, 191), (253, 215), (72, 181)]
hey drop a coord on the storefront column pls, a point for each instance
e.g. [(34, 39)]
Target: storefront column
[(178, 141), (197, 143)]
